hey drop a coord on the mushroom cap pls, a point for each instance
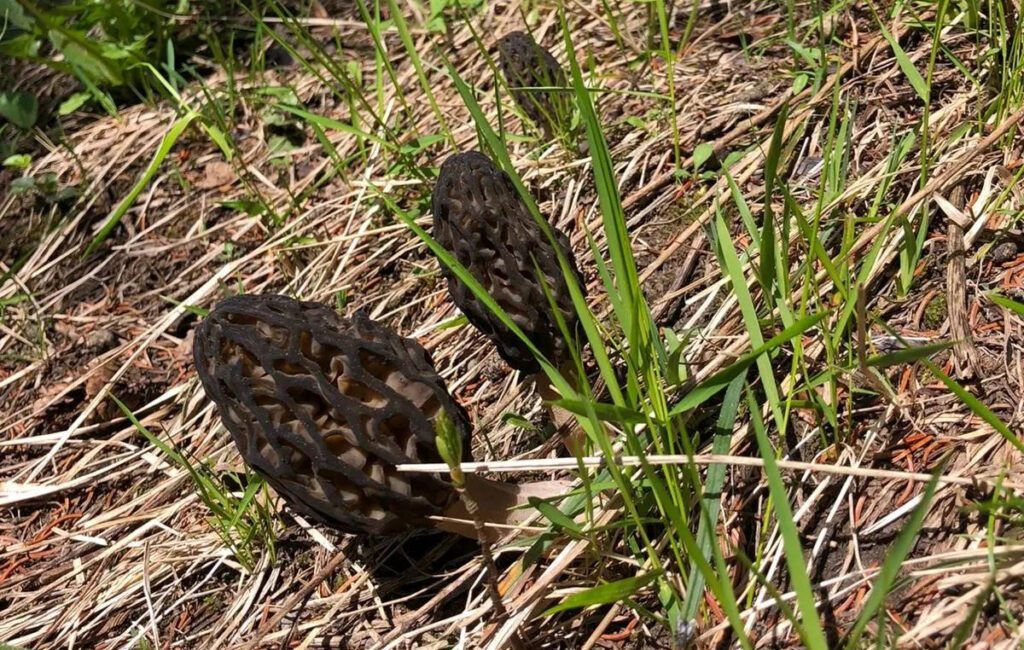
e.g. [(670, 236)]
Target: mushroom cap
[(479, 217), (324, 408), (528, 66)]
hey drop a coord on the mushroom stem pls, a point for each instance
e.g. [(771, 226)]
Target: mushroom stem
[(566, 424), (497, 503)]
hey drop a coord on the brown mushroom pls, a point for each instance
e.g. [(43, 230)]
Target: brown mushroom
[(480, 218), (534, 76), (324, 408)]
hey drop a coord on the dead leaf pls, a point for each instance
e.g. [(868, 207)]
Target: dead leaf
[(216, 174), (97, 379)]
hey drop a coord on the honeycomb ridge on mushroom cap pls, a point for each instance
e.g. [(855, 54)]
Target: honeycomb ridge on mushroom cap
[(325, 407), (527, 67), (479, 217)]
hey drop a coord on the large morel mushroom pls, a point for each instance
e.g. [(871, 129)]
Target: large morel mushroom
[(479, 217), (533, 75), (324, 407)]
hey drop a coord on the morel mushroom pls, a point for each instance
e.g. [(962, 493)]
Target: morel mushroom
[(480, 218), (534, 75), (324, 408)]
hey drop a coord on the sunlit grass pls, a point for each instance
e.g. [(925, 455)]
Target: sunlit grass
[(799, 273)]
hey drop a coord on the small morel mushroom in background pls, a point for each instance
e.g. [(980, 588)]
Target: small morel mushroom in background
[(324, 408), (480, 218), (532, 73)]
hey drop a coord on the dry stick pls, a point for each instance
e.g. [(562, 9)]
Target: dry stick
[(598, 632), (965, 356), (483, 537), (548, 464)]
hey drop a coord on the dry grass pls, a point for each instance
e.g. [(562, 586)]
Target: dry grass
[(104, 542)]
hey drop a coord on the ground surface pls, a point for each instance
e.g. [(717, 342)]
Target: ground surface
[(103, 540)]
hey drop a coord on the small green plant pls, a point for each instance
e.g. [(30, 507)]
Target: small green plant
[(45, 185), (19, 108), (18, 161), (242, 522)]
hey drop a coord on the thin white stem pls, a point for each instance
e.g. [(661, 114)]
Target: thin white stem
[(565, 463)]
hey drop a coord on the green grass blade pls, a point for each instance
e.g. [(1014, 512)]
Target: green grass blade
[(734, 270), (410, 49), (334, 125), (722, 378), (809, 625), (712, 500), (907, 355), (606, 412), (907, 66), (609, 592), (1003, 301), (555, 516), (166, 143), (620, 250), (975, 405)]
